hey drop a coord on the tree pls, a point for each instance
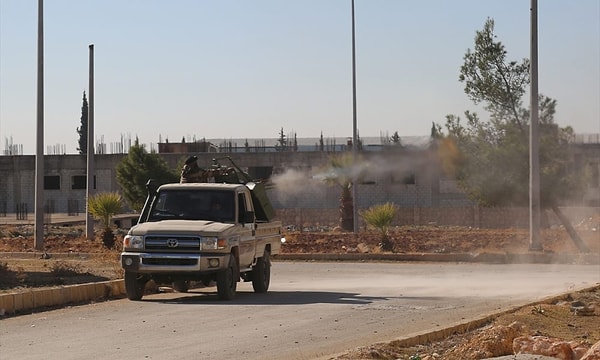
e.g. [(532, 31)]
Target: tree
[(395, 139), (282, 142), (491, 159), (436, 131), (342, 173), (104, 206), (295, 142), (321, 143), (380, 217), (83, 129), (134, 171)]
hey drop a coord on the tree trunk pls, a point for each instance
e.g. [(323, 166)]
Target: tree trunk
[(346, 210), (571, 230), (108, 238), (386, 244)]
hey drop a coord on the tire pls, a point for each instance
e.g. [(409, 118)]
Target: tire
[(261, 273), (134, 285), (181, 286), (227, 281)]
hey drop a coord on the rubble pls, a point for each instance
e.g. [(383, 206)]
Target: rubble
[(593, 353), (548, 346)]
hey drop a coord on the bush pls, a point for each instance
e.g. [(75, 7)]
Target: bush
[(381, 217), (104, 206), (61, 268)]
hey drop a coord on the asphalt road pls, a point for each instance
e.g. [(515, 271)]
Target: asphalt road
[(311, 311)]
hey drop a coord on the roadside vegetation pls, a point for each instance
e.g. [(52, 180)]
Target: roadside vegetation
[(104, 206), (380, 217)]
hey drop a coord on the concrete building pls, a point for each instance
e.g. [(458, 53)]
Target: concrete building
[(410, 177)]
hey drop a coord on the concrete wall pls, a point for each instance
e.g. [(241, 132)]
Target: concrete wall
[(471, 216), (408, 178)]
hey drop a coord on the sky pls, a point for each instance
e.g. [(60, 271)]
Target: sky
[(194, 69)]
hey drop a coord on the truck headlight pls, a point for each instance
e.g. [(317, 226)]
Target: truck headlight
[(212, 243), (208, 243), (133, 242)]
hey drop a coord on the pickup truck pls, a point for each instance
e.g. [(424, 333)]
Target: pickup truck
[(213, 233)]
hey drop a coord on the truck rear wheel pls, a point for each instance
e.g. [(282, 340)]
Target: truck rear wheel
[(134, 285), (261, 273), (227, 281)]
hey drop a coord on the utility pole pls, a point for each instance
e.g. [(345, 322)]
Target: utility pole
[(38, 233), (354, 129), (534, 158), (89, 220)]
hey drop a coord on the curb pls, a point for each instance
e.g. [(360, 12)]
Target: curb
[(428, 337), (18, 302)]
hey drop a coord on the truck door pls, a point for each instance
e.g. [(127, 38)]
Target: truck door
[(247, 235)]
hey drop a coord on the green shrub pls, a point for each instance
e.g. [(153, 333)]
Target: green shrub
[(104, 206), (380, 217)]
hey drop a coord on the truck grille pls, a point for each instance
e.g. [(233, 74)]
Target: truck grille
[(172, 243), (167, 261)]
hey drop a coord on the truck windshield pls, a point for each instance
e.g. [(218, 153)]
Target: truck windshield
[(192, 204)]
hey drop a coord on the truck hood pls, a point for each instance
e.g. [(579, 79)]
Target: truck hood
[(196, 227)]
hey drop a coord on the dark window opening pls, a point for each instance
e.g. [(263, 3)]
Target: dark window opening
[(79, 182), (409, 180), (52, 182), (260, 172), (406, 180)]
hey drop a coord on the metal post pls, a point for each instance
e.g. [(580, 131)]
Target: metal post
[(89, 220), (38, 236), (534, 160), (354, 128)]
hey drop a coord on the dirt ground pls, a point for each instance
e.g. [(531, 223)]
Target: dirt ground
[(90, 261)]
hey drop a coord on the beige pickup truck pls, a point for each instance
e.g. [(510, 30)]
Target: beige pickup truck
[(209, 233)]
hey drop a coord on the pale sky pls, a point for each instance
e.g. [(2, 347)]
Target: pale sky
[(246, 68)]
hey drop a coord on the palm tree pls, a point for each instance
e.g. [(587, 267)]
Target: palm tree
[(381, 217), (103, 206), (340, 174)]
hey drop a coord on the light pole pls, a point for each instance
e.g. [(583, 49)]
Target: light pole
[(38, 233), (534, 158), (354, 128), (89, 221)]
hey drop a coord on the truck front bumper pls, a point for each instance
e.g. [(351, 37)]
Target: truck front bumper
[(173, 263)]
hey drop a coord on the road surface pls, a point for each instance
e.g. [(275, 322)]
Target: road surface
[(312, 310)]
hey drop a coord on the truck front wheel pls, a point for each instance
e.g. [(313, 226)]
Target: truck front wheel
[(261, 273), (227, 281), (134, 285)]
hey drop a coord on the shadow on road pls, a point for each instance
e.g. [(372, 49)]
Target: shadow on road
[(270, 298)]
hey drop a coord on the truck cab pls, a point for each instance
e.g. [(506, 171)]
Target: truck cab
[(200, 232)]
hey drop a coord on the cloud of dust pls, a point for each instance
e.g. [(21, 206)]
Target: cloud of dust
[(294, 184), (378, 168)]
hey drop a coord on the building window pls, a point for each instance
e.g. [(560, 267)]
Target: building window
[(52, 182), (260, 172), (79, 182), (409, 180), (406, 179)]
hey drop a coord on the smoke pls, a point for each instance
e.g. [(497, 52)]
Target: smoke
[(293, 185), (382, 168)]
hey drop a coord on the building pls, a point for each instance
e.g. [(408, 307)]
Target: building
[(408, 176)]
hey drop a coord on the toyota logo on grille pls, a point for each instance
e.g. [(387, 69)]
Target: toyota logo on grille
[(172, 243)]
